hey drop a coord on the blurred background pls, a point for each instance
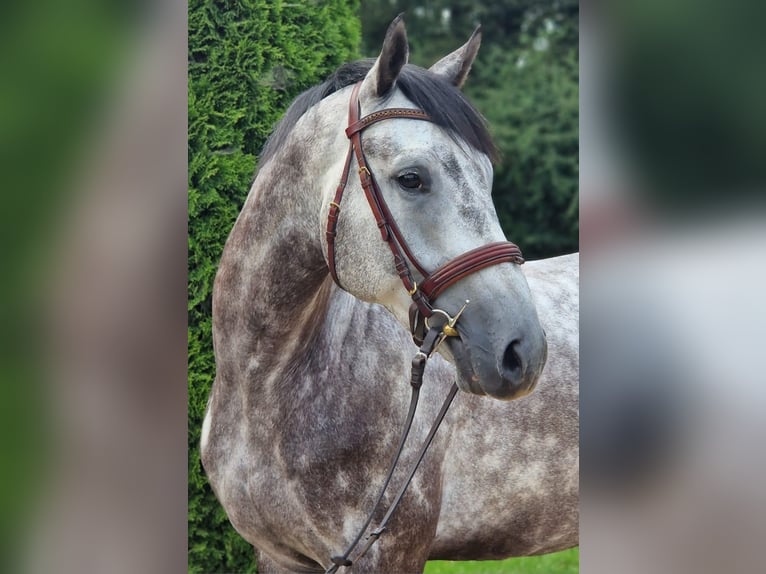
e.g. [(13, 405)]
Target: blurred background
[(673, 315), (94, 314)]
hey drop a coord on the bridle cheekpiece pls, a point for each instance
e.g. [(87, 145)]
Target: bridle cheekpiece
[(434, 283)]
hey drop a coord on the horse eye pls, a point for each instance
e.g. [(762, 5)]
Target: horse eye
[(410, 180)]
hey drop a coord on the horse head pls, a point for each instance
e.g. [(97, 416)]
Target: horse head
[(433, 179)]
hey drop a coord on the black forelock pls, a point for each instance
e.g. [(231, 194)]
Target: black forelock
[(445, 103)]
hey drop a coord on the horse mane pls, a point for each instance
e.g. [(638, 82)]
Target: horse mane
[(446, 104)]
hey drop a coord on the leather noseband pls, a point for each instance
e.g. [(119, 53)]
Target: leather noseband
[(434, 283)]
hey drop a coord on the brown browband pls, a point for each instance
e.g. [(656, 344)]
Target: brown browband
[(387, 114), (433, 283)]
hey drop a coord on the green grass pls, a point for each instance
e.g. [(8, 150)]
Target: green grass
[(566, 562)]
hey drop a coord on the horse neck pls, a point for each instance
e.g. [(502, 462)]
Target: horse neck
[(273, 286)]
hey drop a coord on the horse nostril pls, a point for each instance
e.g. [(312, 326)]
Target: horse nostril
[(512, 366)]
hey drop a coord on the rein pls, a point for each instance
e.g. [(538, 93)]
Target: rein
[(433, 339), (428, 337)]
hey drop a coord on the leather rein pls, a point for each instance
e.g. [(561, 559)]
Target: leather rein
[(428, 337)]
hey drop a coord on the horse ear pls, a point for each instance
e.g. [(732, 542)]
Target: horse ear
[(382, 77), (454, 67)]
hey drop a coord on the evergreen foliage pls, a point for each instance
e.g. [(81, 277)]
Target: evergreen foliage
[(247, 61), (530, 96)]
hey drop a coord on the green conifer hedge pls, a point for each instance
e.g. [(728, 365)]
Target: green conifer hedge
[(247, 60)]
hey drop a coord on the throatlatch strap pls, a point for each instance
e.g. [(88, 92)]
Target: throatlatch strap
[(332, 217)]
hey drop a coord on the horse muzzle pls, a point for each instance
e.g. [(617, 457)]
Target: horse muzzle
[(503, 364)]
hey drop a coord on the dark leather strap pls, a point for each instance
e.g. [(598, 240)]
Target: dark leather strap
[(431, 342), (375, 534), (332, 218), (384, 220), (390, 113), (389, 231)]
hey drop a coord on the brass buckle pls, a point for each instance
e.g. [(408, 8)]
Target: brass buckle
[(448, 329)]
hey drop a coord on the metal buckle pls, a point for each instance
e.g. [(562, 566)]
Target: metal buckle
[(448, 329)]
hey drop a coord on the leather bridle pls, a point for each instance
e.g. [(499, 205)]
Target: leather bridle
[(434, 283), (427, 336)]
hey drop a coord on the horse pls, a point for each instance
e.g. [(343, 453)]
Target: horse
[(313, 341)]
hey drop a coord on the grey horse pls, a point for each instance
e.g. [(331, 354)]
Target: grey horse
[(311, 387)]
